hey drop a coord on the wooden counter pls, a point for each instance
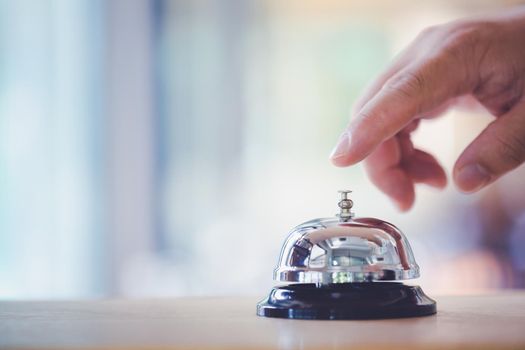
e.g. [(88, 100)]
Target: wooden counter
[(472, 322)]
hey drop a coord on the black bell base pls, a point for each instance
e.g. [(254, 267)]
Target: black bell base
[(346, 301)]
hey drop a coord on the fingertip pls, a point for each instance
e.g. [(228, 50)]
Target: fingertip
[(344, 161), (424, 168), (441, 184), (404, 200), (344, 153), (340, 150), (397, 185), (440, 181), (404, 206), (340, 163)]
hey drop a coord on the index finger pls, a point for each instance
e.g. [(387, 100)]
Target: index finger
[(412, 92)]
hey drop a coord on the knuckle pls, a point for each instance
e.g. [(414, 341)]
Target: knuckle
[(511, 148), (466, 42), (374, 122), (369, 118), (460, 41), (407, 84)]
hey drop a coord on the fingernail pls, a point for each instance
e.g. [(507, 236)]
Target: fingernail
[(472, 177), (342, 146)]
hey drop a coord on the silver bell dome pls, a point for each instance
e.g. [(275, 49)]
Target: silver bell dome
[(345, 249)]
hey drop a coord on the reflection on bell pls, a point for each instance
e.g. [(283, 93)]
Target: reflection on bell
[(343, 268)]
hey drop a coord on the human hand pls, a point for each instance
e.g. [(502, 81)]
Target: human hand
[(481, 58)]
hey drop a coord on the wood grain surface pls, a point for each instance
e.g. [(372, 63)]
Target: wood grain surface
[(471, 322)]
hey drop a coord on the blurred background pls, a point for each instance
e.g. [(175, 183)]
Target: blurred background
[(165, 148)]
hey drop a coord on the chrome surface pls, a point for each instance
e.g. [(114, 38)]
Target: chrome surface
[(345, 249), (345, 204)]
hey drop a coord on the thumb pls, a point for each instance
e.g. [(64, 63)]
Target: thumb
[(497, 150)]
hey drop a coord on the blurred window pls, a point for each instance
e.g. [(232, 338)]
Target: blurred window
[(51, 154)]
